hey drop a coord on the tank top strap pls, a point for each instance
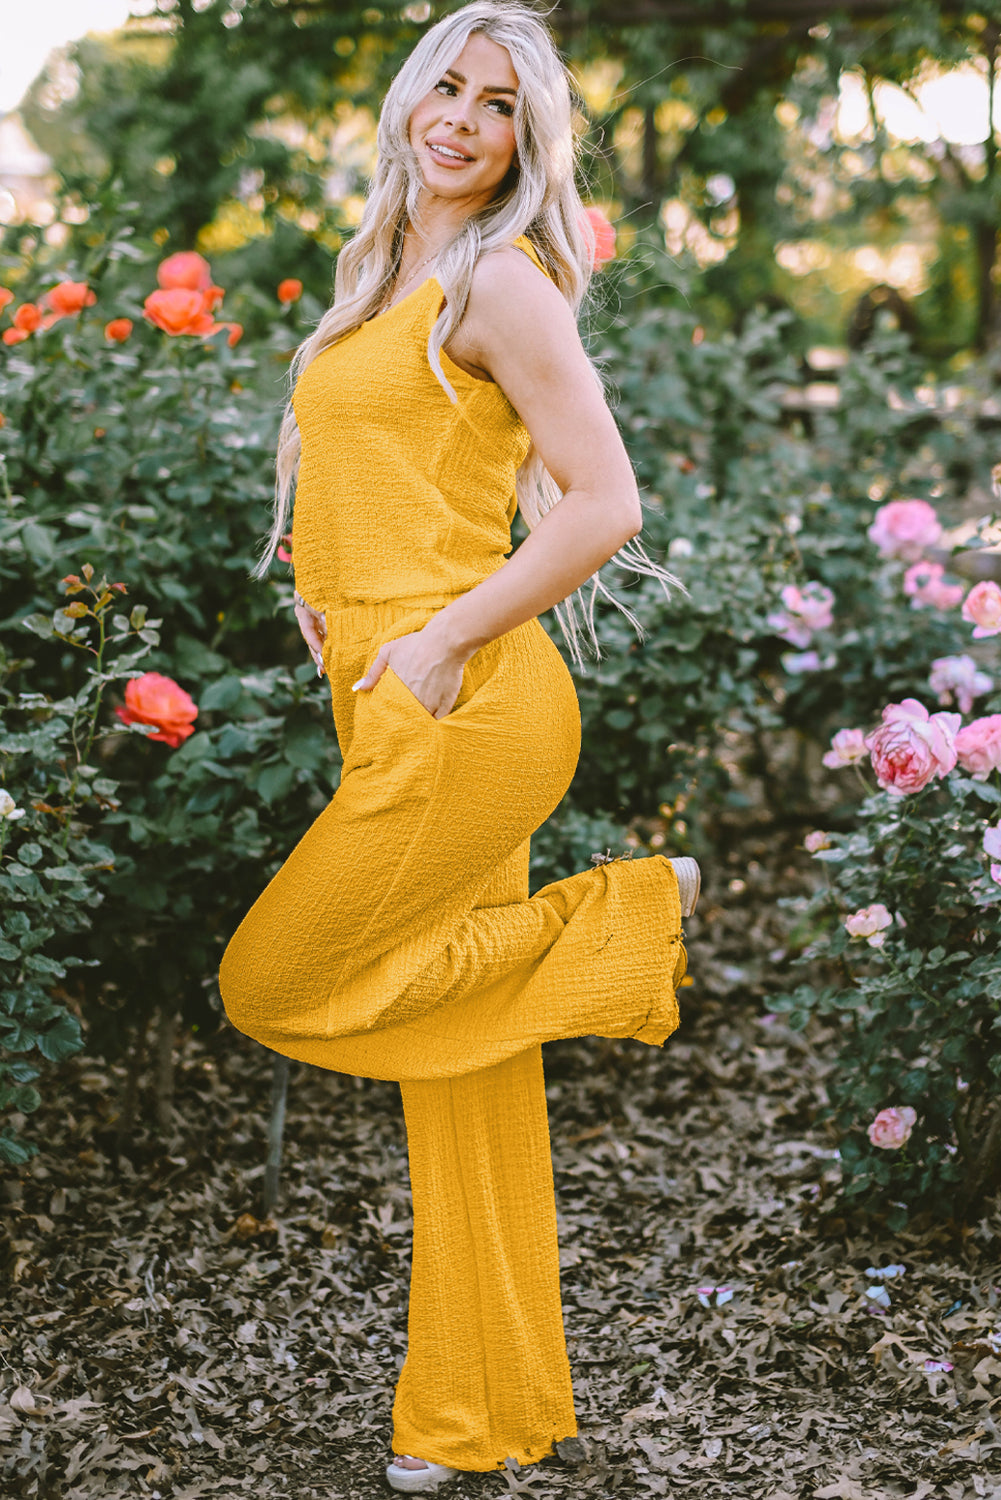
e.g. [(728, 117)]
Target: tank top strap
[(524, 243)]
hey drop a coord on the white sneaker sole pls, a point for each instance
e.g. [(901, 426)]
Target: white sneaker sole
[(689, 882), (413, 1481)]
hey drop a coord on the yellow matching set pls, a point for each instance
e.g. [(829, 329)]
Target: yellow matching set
[(399, 940)]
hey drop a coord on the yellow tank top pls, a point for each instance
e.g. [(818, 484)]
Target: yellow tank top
[(401, 493)]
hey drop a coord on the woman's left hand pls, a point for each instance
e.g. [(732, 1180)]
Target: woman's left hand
[(432, 674)]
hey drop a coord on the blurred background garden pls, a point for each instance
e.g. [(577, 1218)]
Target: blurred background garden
[(801, 333)]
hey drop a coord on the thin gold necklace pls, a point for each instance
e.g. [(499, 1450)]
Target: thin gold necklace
[(390, 300)]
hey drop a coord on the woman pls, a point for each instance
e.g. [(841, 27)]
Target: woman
[(399, 941)]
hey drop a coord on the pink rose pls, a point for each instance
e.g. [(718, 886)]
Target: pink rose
[(892, 1128), (982, 608), (904, 528), (923, 583), (870, 922), (978, 747), (816, 840), (992, 847), (912, 746), (956, 679), (805, 610), (847, 747)]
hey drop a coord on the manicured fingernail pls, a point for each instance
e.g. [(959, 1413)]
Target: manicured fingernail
[(319, 669), (356, 685)]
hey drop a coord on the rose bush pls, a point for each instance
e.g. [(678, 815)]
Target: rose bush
[(148, 451), (922, 1017)]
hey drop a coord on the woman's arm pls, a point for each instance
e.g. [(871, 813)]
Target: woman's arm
[(519, 331)]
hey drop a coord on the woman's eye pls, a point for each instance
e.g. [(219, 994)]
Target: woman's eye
[(444, 83), (503, 106)]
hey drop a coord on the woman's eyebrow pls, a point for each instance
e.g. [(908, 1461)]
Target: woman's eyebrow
[(451, 73)]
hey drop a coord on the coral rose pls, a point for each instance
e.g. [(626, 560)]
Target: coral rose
[(234, 332), (6, 298), (847, 747), (904, 528), (604, 237), (68, 298), (118, 330), (27, 318), (923, 583), (912, 746), (958, 679), (289, 290), (981, 607), (15, 335), (154, 699), (186, 271), (978, 747), (870, 922), (179, 312), (892, 1128)]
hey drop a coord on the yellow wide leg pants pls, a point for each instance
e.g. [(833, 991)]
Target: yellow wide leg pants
[(399, 941)]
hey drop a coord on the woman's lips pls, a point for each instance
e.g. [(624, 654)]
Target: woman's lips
[(444, 158)]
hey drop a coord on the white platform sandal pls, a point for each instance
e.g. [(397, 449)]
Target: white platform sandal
[(413, 1481), (689, 882)]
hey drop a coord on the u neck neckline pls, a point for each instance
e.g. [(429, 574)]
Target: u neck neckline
[(377, 317), (522, 243)]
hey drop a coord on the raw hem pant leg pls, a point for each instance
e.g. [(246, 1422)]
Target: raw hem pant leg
[(486, 1375)]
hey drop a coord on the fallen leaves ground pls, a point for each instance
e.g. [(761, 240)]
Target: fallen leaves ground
[(161, 1340)]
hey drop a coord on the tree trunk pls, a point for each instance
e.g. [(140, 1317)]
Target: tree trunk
[(130, 1094), (166, 1032), (986, 234)]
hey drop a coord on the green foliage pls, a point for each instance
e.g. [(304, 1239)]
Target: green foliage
[(252, 125), (54, 861)]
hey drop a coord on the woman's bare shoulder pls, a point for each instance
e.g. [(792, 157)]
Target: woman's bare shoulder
[(509, 288)]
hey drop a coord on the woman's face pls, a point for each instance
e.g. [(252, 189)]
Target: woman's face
[(463, 130)]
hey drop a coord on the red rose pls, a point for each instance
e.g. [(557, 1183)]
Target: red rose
[(27, 318), (118, 330), (289, 290), (187, 271), (604, 237), (179, 312), (67, 299), (158, 700)]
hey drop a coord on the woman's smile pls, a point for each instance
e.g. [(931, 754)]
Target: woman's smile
[(463, 129)]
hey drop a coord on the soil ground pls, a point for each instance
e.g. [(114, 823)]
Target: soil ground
[(161, 1339)]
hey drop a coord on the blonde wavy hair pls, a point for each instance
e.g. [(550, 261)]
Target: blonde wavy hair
[(539, 198)]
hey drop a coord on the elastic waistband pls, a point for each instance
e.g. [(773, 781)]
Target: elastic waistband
[(360, 621)]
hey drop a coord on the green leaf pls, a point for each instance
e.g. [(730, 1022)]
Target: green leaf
[(274, 782)]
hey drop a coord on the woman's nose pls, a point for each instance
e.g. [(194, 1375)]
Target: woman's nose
[(459, 114)]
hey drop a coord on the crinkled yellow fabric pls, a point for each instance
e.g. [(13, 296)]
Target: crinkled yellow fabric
[(399, 941), (401, 494)]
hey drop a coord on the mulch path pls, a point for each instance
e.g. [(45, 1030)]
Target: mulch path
[(161, 1340)]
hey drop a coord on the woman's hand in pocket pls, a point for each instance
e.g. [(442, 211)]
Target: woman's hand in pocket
[(433, 675), (314, 630)]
